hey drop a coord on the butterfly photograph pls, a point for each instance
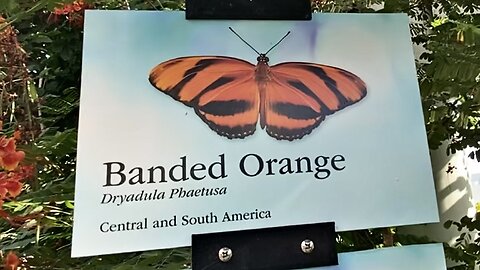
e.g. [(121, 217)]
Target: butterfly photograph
[(231, 95)]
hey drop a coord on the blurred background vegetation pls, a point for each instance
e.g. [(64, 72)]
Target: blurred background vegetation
[(40, 70)]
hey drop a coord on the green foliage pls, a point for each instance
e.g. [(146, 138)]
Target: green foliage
[(466, 250), (53, 44), (449, 78), (360, 240), (449, 75)]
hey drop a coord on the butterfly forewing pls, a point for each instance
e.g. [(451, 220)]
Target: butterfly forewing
[(298, 96), (220, 89), (186, 77), (332, 87)]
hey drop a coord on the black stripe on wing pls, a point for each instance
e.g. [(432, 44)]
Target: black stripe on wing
[(190, 75), (331, 83), (220, 82), (219, 108), (307, 91), (224, 108), (294, 111)]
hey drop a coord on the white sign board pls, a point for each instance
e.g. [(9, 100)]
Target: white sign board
[(183, 130)]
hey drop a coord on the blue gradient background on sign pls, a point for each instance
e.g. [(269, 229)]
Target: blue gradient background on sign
[(387, 180), (418, 257)]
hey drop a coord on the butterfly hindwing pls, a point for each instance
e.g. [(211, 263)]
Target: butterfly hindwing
[(298, 96), (220, 89)]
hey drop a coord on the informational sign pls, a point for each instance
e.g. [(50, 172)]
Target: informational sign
[(191, 127)]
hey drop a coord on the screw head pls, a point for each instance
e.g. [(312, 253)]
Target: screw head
[(307, 246), (225, 254)]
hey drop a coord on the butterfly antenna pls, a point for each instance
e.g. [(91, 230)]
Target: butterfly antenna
[(278, 42), (244, 40)]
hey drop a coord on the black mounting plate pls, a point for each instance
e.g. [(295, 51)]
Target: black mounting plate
[(269, 248), (248, 9)]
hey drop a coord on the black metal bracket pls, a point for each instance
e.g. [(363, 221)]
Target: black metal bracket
[(278, 248), (248, 9)]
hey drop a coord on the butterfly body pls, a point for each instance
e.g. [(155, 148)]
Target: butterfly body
[(262, 70), (262, 76), (230, 95)]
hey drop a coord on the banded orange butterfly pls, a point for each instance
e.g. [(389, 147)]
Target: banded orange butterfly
[(230, 95)]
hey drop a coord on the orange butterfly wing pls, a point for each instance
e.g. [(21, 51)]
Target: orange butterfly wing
[(298, 96), (222, 90)]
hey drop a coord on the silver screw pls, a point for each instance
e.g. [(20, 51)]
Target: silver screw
[(225, 254), (307, 246)]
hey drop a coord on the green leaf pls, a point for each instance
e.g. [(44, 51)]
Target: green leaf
[(395, 5), (439, 21), (447, 224), (32, 90), (69, 204), (59, 190), (8, 6), (39, 38)]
